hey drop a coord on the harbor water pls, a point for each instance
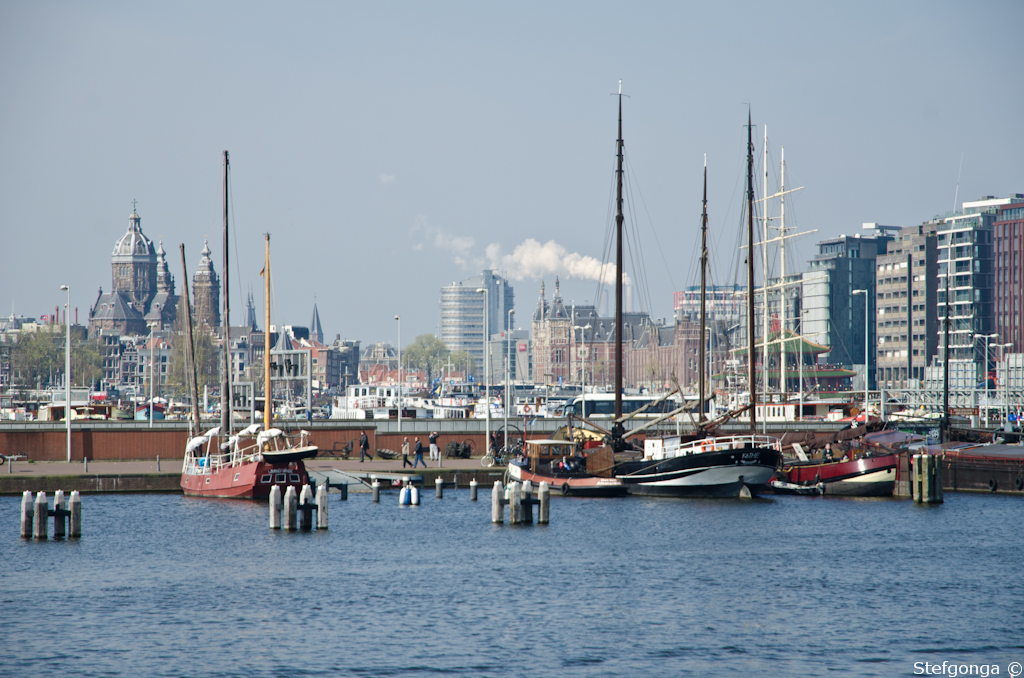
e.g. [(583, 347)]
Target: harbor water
[(166, 585)]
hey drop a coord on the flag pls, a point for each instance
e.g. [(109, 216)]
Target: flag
[(263, 270)]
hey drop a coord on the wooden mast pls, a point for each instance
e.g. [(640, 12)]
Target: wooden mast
[(268, 396), (618, 428), (750, 276), (703, 288), (190, 352), (225, 379)]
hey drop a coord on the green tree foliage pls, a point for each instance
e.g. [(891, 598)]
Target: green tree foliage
[(427, 353), (38, 358), (207, 356), (462, 361)]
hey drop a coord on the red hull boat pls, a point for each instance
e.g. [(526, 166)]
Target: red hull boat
[(870, 476)]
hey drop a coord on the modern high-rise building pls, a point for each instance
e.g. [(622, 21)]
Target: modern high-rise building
[(833, 315), (906, 321), (965, 262), (1008, 232), (462, 326)]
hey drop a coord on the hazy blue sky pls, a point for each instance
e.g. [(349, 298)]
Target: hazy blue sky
[(393, 147)]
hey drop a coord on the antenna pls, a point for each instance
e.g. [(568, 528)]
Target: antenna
[(957, 191)]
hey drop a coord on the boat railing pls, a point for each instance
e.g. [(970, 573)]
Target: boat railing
[(719, 444)]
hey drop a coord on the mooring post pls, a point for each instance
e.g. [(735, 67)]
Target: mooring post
[(497, 503), (439, 487), (75, 519), (85, 461), (39, 520), (472, 489), (376, 491), (291, 505), (307, 505), (59, 514), (515, 504), (27, 511), (344, 490), (158, 463), (544, 495), (526, 501), (321, 507), (275, 507)]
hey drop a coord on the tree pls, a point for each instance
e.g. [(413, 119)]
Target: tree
[(206, 354), (427, 353), (38, 357), (462, 360)]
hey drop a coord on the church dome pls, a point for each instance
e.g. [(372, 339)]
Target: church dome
[(134, 244)]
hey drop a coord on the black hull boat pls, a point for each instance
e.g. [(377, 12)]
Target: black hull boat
[(710, 467)]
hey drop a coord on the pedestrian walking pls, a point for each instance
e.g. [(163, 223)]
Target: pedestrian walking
[(364, 447), (434, 452), (418, 459), (405, 453)]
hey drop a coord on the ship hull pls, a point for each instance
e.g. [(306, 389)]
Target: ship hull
[(577, 485), (245, 481), (703, 474), (867, 477)]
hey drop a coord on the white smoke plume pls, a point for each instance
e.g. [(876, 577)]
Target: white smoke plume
[(530, 260)]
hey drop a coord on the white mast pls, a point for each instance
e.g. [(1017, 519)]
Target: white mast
[(764, 282), (782, 273)]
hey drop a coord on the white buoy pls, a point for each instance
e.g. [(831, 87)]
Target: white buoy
[(58, 519), (439, 487), (472, 489), (291, 506), (497, 507), (75, 519), (275, 507), (321, 507), (375, 487), (27, 511), (403, 496), (414, 495), (543, 511), (39, 519)]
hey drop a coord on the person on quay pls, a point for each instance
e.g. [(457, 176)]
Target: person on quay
[(364, 447), (435, 453), (494, 443), (418, 450), (405, 453)]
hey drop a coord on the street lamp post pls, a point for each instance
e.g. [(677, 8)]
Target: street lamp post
[(508, 370), (800, 339), (487, 367), (583, 336), (866, 363), (399, 319), (67, 366), (1005, 409), (986, 337)]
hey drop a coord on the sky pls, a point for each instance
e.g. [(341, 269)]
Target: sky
[(392, 148)]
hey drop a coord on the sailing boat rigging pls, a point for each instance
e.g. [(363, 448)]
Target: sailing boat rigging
[(246, 465)]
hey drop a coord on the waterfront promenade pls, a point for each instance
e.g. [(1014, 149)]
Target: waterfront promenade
[(143, 476)]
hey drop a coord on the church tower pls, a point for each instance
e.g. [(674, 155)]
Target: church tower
[(134, 266), (206, 290)]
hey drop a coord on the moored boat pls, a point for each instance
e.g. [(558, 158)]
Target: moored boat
[(871, 475), (557, 463)]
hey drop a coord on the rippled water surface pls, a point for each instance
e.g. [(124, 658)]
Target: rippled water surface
[(164, 585)]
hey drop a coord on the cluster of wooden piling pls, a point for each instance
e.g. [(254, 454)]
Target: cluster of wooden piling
[(926, 479), (520, 501), (295, 510), (35, 512)]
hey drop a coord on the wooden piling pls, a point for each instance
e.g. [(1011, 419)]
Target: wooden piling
[(75, 519), (526, 503), (291, 506), (926, 479), (58, 514), (275, 507), (39, 519), (543, 510), (472, 489), (27, 512), (344, 491), (375, 487), (321, 507), (439, 488), (497, 507)]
